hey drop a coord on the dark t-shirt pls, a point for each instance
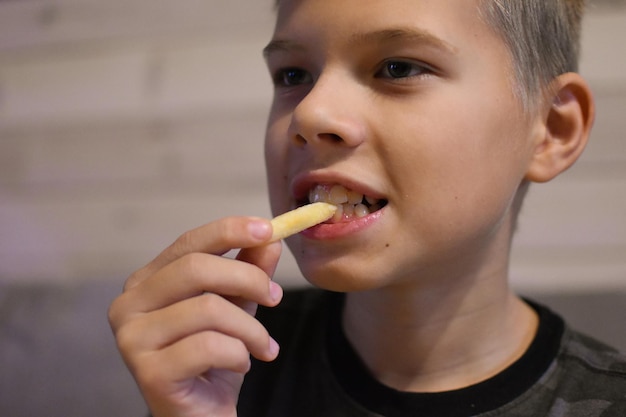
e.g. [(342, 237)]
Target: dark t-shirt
[(318, 374)]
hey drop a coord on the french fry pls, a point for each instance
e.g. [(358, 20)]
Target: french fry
[(297, 220)]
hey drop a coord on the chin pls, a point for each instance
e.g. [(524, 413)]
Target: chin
[(333, 277)]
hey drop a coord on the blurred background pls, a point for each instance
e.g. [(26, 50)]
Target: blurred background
[(124, 123)]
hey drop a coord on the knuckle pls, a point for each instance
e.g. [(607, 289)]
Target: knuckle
[(209, 304), (133, 280), (192, 265), (234, 231), (126, 339), (184, 242), (147, 375), (117, 313), (113, 315), (228, 229), (219, 347)]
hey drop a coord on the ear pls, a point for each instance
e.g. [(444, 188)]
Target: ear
[(567, 122)]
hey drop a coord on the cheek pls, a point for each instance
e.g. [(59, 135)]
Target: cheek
[(461, 174), (276, 170)]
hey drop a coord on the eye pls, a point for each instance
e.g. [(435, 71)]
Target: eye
[(289, 77), (396, 69)]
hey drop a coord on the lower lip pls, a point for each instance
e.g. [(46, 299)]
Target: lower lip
[(336, 230)]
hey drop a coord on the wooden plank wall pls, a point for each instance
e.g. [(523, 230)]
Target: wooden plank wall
[(124, 123)]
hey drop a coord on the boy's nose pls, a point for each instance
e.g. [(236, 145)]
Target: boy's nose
[(328, 115)]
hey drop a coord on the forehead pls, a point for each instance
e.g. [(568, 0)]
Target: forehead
[(447, 19), (345, 28)]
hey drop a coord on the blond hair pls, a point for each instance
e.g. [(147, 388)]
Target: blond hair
[(543, 37)]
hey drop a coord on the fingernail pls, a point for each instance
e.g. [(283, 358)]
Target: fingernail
[(259, 229), (276, 292), (274, 347)]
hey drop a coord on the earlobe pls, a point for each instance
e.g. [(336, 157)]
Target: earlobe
[(567, 125)]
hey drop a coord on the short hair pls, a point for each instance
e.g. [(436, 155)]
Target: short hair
[(543, 38)]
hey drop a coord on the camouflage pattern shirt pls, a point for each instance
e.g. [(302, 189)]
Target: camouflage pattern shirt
[(562, 374)]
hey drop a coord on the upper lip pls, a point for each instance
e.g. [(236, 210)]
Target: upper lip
[(303, 182)]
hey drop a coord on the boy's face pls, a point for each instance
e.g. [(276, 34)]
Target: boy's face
[(410, 103)]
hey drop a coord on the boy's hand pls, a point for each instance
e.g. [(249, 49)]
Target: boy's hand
[(185, 323)]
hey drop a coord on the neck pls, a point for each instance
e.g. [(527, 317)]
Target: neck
[(438, 339)]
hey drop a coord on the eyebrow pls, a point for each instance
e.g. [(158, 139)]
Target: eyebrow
[(406, 35), (279, 46), (379, 37)]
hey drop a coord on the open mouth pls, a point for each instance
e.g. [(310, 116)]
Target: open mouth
[(351, 204)]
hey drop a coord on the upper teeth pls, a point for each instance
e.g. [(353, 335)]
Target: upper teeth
[(350, 203)]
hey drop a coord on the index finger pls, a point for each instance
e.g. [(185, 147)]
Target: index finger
[(214, 238)]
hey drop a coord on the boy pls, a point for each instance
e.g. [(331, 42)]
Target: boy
[(434, 116)]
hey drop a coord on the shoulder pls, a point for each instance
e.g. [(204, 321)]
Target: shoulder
[(593, 354), (593, 374), (593, 358), (579, 351), (585, 377)]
